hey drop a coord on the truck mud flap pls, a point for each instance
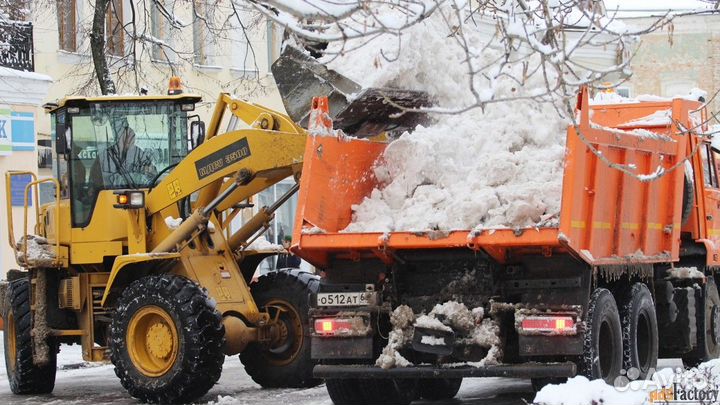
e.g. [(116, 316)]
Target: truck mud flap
[(525, 370)]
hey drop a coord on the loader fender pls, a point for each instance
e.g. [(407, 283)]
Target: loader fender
[(122, 271)]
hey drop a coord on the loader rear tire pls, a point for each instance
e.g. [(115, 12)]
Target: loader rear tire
[(23, 375), (602, 347), (383, 391), (286, 295), (166, 340), (439, 388), (639, 332)]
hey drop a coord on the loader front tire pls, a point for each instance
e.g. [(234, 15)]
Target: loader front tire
[(286, 295), (166, 340), (23, 375)]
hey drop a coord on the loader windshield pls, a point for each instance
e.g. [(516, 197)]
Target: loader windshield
[(121, 145)]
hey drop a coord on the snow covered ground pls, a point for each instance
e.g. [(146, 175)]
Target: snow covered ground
[(80, 383)]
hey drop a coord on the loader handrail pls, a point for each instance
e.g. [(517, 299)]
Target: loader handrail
[(34, 184)]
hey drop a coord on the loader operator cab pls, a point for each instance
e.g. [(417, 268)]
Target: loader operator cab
[(113, 143)]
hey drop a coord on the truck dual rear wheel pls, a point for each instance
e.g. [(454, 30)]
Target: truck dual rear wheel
[(166, 340), (639, 331), (23, 375), (708, 327), (602, 347), (286, 362), (372, 391)]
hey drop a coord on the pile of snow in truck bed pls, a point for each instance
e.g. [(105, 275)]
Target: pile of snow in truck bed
[(492, 168)]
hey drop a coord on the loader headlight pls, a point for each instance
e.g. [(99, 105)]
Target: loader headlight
[(127, 199)]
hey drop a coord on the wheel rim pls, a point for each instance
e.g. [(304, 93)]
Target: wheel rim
[(11, 341), (286, 347), (152, 341)]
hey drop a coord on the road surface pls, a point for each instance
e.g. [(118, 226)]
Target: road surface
[(81, 383)]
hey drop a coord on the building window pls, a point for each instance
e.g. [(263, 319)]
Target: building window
[(114, 29), (202, 37), (623, 91), (67, 23), (159, 30)]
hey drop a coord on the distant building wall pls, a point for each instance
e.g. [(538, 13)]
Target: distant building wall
[(677, 58)]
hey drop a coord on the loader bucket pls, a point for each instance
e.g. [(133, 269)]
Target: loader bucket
[(357, 111)]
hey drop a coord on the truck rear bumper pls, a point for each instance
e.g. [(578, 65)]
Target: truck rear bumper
[(525, 370)]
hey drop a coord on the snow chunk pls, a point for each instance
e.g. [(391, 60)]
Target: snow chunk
[(39, 252), (685, 272), (581, 391), (455, 314), (173, 223), (658, 118), (263, 244), (432, 340), (430, 322), (401, 319)]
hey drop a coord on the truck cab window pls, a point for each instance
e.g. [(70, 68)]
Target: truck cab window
[(710, 158)]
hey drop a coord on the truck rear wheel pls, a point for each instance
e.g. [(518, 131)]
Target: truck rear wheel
[(439, 388), (708, 328), (166, 340), (602, 348), (372, 391), (286, 363), (23, 375), (639, 331)]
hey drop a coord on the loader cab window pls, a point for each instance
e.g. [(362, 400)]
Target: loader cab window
[(711, 159), (121, 145)]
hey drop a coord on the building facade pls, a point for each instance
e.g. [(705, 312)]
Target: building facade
[(22, 91), (681, 56)]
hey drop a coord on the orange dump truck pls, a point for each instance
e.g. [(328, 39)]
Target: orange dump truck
[(627, 276)]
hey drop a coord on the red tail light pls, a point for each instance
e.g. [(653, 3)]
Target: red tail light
[(332, 326), (354, 326), (548, 324)]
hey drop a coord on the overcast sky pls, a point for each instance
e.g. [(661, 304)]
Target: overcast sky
[(653, 4)]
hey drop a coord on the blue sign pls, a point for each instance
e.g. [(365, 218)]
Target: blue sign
[(17, 190)]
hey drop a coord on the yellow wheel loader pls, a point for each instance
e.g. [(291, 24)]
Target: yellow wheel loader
[(135, 259)]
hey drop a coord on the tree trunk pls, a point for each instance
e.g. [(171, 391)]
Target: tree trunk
[(97, 47)]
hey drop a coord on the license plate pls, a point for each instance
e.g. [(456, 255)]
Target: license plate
[(346, 299)]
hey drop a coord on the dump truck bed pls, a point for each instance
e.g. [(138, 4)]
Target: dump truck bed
[(607, 216)]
